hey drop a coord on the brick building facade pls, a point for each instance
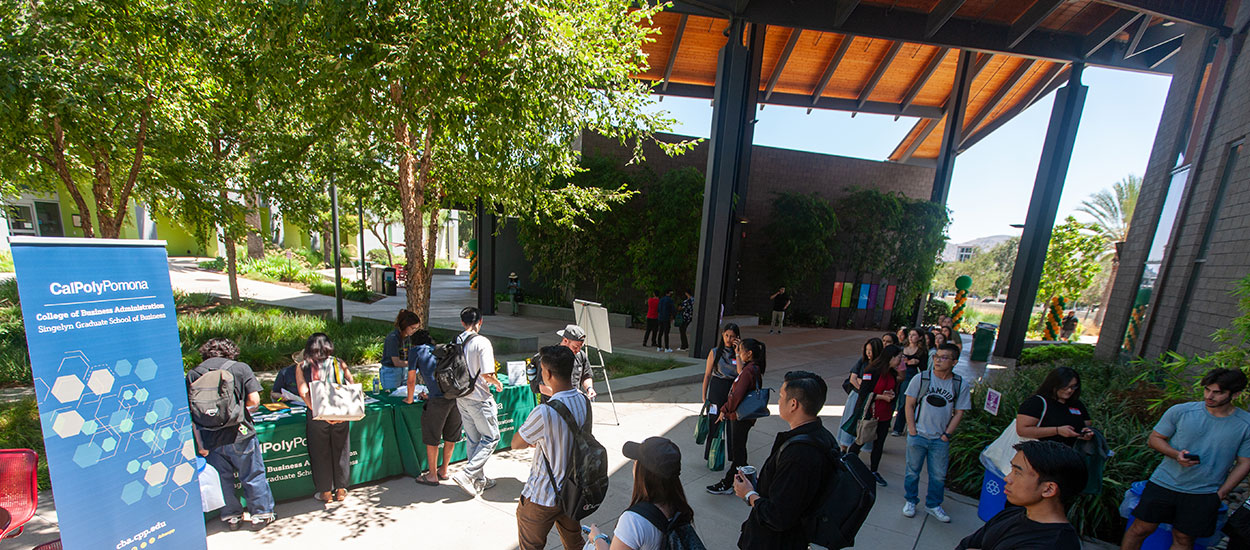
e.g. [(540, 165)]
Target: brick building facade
[(1189, 241)]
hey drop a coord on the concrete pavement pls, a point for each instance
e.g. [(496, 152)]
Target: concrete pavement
[(398, 510)]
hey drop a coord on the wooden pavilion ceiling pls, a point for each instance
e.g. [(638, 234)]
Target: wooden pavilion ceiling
[(817, 68)]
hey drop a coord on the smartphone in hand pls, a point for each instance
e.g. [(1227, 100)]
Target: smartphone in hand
[(1193, 457)]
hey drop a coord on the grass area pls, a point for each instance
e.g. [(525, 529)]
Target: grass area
[(19, 429), (621, 365), (285, 267), (268, 336), (14, 362), (6, 262), (356, 291)]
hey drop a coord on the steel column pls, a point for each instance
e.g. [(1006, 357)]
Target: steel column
[(956, 108), (486, 223), (1052, 171), (728, 169), (338, 261)]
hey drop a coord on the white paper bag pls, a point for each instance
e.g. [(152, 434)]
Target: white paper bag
[(210, 489), (516, 373)]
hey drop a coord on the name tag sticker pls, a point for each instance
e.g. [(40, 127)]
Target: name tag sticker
[(868, 377), (1074, 411)]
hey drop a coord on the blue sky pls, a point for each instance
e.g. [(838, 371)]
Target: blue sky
[(994, 179)]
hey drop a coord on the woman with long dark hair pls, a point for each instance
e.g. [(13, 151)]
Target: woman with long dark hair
[(657, 497), (752, 363), (394, 367), (881, 382), (1055, 412), (872, 350), (916, 359), (329, 451), (889, 339), (718, 377)]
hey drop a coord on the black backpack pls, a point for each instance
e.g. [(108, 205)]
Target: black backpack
[(845, 500), (584, 483), (678, 531), (214, 405), (451, 372)]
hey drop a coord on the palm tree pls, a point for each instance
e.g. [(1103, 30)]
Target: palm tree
[(1112, 211)]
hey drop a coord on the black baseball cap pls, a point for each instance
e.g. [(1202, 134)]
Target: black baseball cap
[(657, 455)]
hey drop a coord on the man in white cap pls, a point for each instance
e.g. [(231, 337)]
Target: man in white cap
[(574, 338)]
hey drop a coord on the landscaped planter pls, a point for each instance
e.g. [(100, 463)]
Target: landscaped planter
[(558, 313)]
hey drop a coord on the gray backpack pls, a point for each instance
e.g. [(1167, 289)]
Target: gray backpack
[(214, 406)]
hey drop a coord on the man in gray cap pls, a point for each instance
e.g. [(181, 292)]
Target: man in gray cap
[(574, 338)]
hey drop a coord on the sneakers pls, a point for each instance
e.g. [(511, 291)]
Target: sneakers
[(484, 484), (938, 513), (668, 350), (770, 331), (659, 349), (880, 480), (233, 522), (909, 509), (721, 488), (896, 434), (465, 482), (260, 521)]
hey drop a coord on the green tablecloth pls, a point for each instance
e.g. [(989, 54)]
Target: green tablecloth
[(386, 442)]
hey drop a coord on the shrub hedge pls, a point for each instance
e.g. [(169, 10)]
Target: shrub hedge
[(1052, 353)]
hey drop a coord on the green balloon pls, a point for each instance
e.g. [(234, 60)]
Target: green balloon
[(964, 282)]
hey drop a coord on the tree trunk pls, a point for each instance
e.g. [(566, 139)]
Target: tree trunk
[(255, 244), (414, 189), (386, 247), (232, 270)]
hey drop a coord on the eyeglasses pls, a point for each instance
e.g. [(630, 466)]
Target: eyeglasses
[(944, 357)]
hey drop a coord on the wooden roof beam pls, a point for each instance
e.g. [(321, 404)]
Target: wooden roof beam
[(805, 101), (942, 13), (781, 63), (978, 66), (1107, 31), (843, 10), (925, 75), (672, 52), (878, 73), (999, 95), (831, 68), (1050, 81), (930, 125), (1204, 13), (1038, 12)]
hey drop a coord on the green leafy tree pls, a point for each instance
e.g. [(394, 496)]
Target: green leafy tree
[(95, 96), (673, 208), (474, 101), (801, 233), (1112, 211), (990, 270), (1071, 261)]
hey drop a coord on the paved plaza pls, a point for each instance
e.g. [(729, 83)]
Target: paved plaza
[(398, 510)]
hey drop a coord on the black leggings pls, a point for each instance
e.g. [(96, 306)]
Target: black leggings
[(329, 454), (878, 446), (652, 335), (736, 432), (665, 328), (682, 329)]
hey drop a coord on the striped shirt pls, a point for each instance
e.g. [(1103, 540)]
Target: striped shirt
[(547, 431)]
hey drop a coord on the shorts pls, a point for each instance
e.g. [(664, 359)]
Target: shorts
[(1193, 515), (441, 420)]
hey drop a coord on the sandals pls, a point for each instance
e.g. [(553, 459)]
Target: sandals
[(324, 497), (340, 495), (422, 480)]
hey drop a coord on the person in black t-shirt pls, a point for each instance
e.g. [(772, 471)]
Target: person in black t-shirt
[(1045, 476), (1056, 413), (234, 448)]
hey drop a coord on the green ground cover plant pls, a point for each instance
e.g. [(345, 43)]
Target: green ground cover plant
[(355, 290), (19, 429), (268, 336), (6, 262), (1056, 354)]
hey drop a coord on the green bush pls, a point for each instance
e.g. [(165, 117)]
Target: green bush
[(267, 336), (378, 256), (355, 290), (1056, 353), (14, 361), (1118, 407), (279, 267), (216, 264), (192, 299), (974, 316), (935, 309), (6, 262)]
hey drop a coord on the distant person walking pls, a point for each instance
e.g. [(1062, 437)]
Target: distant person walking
[(781, 301), (664, 313), (1068, 328), (652, 335), (514, 291), (685, 314), (478, 410)]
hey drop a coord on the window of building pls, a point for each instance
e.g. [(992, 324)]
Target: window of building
[(965, 253)]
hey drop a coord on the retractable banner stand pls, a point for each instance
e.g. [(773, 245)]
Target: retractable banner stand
[(103, 339)]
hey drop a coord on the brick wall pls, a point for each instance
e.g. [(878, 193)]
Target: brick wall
[(775, 170)]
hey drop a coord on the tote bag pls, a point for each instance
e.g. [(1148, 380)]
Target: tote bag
[(716, 454), (755, 404), (701, 425), (999, 454), (867, 430), (332, 399)]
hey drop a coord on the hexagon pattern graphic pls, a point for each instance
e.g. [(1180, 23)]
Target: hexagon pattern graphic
[(132, 466), (89, 427), (178, 498), (141, 395), (108, 444), (87, 455), (145, 369), (67, 388), (188, 449), (67, 424), (132, 492), (123, 368), (162, 407), (183, 473), (101, 382), (156, 474), (73, 364)]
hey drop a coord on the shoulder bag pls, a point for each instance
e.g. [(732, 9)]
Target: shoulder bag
[(999, 454), (755, 404), (334, 399)]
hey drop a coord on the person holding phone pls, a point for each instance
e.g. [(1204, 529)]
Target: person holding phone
[(718, 377), (1055, 412), (1206, 453)]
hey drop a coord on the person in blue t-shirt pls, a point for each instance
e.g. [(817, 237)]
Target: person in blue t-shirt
[(440, 420), (1200, 443), (394, 356)]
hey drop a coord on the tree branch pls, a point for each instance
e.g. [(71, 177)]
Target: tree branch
[(137, 164)]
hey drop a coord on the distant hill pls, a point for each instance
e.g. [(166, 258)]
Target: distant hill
[(952, 251)]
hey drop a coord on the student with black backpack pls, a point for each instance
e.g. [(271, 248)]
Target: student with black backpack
[(221, 390), (792, 481), (477, 406), (569, 472), (658, 518)]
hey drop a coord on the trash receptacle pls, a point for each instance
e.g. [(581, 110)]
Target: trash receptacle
[(983, 341), (993, 500), (388, 281), (377, 279)]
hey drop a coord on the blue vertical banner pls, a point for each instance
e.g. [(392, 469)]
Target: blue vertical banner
[(107, 365)]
